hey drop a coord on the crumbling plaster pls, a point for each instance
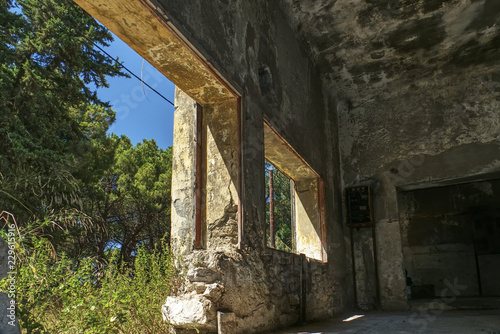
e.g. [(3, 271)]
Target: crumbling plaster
[(254, 48), (418, 98), (363, 46), (397, 93)]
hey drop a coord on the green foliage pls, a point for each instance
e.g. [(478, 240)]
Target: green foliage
[(54, 151), (131, 201), (48, 114), (63, 295), (93, 210), (282, 209)]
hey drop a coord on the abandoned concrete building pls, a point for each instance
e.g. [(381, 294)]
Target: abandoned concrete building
[(384, 113)]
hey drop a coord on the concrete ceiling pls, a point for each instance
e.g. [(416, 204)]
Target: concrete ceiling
[(367, 46)]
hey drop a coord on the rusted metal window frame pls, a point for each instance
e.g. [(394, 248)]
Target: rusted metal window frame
[(185, 57), (200, 237), (321, 193)]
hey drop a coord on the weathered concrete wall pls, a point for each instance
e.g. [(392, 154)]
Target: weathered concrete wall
[(184, 168), (443, 128), (248, 48), (251, 44), (364, 264), (221, 139), (307, 223), (417, 87)]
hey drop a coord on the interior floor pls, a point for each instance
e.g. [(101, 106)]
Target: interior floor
[(423, 321), (458, 303)]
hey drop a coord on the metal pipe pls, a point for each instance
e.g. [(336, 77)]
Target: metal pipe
[(272, 239), (199, 242), (353, 264), (303, 288), (375, 260)]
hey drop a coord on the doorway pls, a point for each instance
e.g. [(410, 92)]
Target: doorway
[(451, 237)]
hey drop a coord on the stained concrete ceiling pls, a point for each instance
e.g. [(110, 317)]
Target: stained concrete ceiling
[(365, 46)]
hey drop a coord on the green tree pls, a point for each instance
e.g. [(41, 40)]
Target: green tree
[(131, 201), (49, 117), (144, 180), (63, 176)]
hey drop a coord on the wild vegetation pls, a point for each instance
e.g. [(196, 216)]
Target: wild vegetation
[(92, 211)]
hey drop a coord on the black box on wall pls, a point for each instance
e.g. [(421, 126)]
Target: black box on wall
[(359, 206)]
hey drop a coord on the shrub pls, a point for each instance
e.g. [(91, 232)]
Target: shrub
[(56, 294)]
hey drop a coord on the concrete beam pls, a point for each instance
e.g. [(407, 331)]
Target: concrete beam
[(150, 33)]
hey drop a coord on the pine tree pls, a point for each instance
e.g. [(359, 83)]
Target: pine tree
[(50, 115)]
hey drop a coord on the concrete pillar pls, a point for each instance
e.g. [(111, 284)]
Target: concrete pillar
[(221, 123), (218, 182), (308, 219), (183, 175), (205, 200)]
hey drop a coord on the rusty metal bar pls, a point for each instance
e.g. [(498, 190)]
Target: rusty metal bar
[(241, 232), (375, 260), (322, 212), (353, 264), (293, 218), (272, 239), (198, 243)]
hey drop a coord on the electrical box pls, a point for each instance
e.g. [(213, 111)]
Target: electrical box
[(359, 206)]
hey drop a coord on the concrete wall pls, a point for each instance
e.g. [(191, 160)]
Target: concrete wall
[(252, 46), (242, 62), (184, 168), (441, 128)]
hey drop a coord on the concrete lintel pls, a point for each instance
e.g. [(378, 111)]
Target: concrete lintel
[(155, 39)]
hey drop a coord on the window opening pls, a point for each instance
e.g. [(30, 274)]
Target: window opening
[(278, 209), (306, 199), (205, 180)]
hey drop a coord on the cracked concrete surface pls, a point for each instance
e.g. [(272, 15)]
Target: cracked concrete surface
[(363, 46)]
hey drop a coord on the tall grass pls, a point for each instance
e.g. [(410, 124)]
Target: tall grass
[(56, 294)]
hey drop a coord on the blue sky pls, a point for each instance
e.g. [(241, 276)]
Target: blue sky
[(140, 112)]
